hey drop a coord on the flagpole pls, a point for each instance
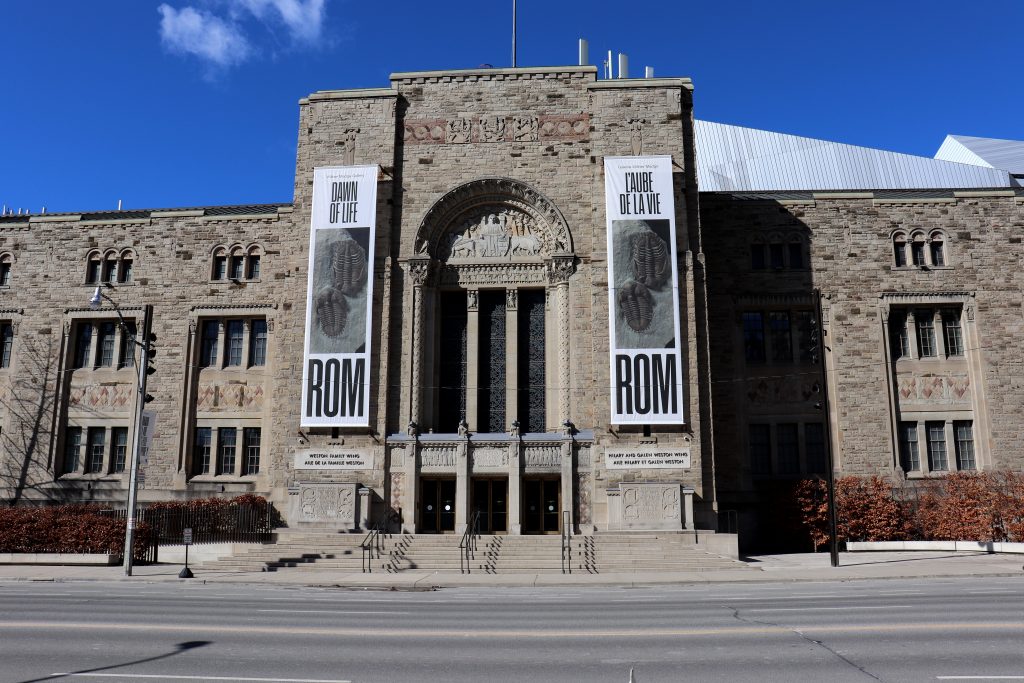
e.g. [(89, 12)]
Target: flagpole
[(513, 34)]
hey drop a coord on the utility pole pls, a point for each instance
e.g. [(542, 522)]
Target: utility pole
[(513, 34), (818, 340)]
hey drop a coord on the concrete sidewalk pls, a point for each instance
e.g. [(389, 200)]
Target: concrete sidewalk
[(764, 568)]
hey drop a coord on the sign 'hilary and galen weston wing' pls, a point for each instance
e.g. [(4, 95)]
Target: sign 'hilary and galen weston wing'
[(339, 302), (643, 291)]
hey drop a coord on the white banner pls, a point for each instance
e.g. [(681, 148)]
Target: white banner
[(643, 291), (339, 301)]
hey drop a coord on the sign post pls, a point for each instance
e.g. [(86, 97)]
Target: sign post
[(186, 540)]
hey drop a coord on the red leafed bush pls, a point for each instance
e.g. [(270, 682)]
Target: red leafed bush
[(811, 496), (66, 529), (973, 506), (865, 510)]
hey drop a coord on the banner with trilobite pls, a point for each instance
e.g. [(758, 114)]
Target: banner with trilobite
[(339, 300), (643, 291)]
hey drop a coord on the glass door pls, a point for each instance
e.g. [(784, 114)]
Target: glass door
[(437, 505), (490, 499), (541, 508)]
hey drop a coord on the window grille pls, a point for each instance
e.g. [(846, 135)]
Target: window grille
[(119, 437), (452, 367), (208, 354), (251, 436), (106, 344), (532, 406), (925, 320), (226, 440), (94, 462), (492, 361), (258, 343), (964, 432), (951, 332), (937, 461), (235, 334), (910, 457), (201, 454)]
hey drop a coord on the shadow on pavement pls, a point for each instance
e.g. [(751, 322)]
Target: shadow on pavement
[(178, 649)]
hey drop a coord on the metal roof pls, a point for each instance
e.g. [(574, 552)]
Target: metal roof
[(737, 159), (1007, 155)]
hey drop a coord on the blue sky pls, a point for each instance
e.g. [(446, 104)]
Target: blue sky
[(194, 102)]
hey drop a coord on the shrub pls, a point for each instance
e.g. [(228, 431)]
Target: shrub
[(67, 529), (975, 506), (865, 510)]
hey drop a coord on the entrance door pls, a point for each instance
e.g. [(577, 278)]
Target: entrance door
[(541, 509), (437, 505), (490, 499)]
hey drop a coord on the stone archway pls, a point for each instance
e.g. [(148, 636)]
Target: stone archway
[(493, 218)]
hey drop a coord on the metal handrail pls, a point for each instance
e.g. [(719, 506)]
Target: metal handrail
[(468, 544), (566, 544), (372, 544)]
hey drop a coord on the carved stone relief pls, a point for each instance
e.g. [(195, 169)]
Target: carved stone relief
[(467, 274), (524, 128), (459, 131), (493, 232), (934, 388), (636, 133), (779, 390), (438, 456), (347, 143), (397, 457), (490, 129), (424, 132), (497, 128), (229, 397), (490, 458), (334, 504), (511, 299), (543, 457), (583, 457), (650, 506), (583, 499), (571, 127), (102, 397), (397, 489)]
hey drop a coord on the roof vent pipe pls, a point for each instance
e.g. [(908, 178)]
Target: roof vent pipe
[(623, 66), (608, 66), (584, 57), (118, 204), (648, 72)]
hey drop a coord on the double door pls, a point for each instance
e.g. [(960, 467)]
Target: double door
[(490, 499), (437, 505), (541, 508)]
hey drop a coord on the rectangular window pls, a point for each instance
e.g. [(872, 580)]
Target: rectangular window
[(493, 353), (220, 267), (753, 337), (5, 274), (208, 351), (900, 253), (964, 432), (951, 333), (898, 333), (235, 337), (532, 409), (226, 440), (760, 449), (72, 449), (94, 456), (258, 343), (6, 344), (83, 345), (796, 255), (451, 393), (106, 344), (782, 341), (776, 254), (127, 357), (925, 321), (757, 261), (251, 436), (201, 454), (125, 274), (814, 438), (92, 271), (910, 456), (917, 253), (119, 440), (937, 446), (788, 448), (254, 267), (236, 267)]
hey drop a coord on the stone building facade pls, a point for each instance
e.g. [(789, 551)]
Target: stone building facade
[(489, 368)]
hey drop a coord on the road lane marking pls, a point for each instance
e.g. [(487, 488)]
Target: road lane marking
[(328, 611), (363, 632), (204, 678), (980, 678), (809, 609)]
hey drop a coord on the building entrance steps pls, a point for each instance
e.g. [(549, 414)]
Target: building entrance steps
[(605, 553)]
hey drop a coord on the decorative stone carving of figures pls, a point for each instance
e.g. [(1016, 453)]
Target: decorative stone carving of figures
[(413, 429), (459, 131), (463, 428), (514, 429), (348, 147), (471, 300), (636, 141), (511, 299)]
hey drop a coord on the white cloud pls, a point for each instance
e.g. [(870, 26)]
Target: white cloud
[(303, 18), (199, 33)]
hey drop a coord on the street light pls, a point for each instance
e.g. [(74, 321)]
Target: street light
[(141, 369)]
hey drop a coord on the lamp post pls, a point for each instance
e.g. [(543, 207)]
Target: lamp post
[(819, 354), (141, 367)]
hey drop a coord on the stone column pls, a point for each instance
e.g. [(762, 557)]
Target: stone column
[(472, 358), (363, 512), (515, 479), (511, 356), (462, 486), (410, 495), (567, 484), (419, 273), (560, 268)]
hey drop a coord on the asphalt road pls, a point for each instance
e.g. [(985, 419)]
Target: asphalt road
[(894, 630)]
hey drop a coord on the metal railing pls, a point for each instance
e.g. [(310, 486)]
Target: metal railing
[(566, 544), (467, 546), (373, 545)]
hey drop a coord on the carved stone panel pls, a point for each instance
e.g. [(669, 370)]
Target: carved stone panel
[(544, 458), (425, 132), (490, 457), (439, 457), (116, 397), (571, 127), (396, 457), (583, 499), (218, 397), (934, 389), (459, 131), (490, 129), (397, 489), (493, 233), (332, 505), (524, 128), (649, 507)]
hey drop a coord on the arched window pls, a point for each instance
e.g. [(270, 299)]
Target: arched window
[(110, 267), (126, 266), (758, 260), (795, 252), (252, 263), (937, 249), (917, 250), (236, 264), (219, 265), (899, 249), (93, 268), (6, 263)]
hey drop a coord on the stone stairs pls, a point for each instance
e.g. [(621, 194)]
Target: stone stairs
[(603, 553)]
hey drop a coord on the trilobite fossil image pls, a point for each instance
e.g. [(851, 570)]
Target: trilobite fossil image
[(636, 306), (331, 312), (651, 264), (348, 267)]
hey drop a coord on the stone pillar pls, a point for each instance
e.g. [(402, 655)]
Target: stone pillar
[(364, 511), (560, 268), (688, 508), (410, 496), (462, 486), (472, 358), (419, 273), (515, 479), (567, 484), (511, 356)]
